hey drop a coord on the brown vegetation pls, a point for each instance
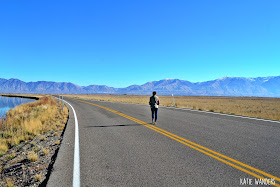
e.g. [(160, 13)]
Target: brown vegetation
[(45, 151), (259, 107), (29, 138), (32, 156), (30, 119), (38, 177)]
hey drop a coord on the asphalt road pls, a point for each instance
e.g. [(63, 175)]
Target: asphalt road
[(186, 148)]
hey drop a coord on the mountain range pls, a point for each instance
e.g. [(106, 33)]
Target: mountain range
[(226, 86)]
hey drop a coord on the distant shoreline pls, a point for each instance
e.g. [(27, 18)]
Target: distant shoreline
[(20, 96)]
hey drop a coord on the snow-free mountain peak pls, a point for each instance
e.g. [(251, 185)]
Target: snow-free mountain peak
[(226, 86)]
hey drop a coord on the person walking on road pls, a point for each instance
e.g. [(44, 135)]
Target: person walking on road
[(154, 102)]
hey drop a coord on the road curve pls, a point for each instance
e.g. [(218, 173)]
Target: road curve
[(118, 147)]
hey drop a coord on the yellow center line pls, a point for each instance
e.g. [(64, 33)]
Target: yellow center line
[(197, 147), (223, 156)]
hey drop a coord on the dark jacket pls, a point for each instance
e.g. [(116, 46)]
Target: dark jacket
[(154, 101)]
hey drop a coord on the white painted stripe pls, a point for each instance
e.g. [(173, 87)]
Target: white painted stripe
[(231, 115), (76, 166)]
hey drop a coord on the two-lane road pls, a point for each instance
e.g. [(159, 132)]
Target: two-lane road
[(118, 147)]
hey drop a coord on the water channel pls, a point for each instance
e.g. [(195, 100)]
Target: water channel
[(6, 103)]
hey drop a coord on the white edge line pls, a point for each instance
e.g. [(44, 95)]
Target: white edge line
[(76, 166), (231, 115)]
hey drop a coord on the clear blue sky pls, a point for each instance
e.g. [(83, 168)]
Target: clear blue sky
[(120, 43)]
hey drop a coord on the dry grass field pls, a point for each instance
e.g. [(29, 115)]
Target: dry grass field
[(30, 119), (259, 107)]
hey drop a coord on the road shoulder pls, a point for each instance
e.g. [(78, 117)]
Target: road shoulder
[(62, 172)]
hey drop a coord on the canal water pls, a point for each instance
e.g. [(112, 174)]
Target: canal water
[(6, 103)]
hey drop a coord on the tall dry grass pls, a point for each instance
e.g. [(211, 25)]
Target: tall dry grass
[(259, 107), (27, 120)]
